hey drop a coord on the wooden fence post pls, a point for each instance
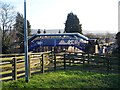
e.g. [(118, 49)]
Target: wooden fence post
[(64, 60), (29, 66), (88, 58), (42, 69), (14, 71), (118, 57), (83, 59), (70, 58), (97, 57), (54, 62), (108, 64)]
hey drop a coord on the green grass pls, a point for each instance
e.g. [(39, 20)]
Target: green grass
[(66, 79)]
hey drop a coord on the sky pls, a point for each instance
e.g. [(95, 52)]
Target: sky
[(94, 15)]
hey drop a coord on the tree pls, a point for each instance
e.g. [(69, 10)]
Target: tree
[(7, 18), (72, 24), (118, 40), (28, 27), (19, 27), (38, 31), (44, 31), (59, 31), (90, 35)]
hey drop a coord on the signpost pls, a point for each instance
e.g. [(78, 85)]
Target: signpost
[(25, 44)]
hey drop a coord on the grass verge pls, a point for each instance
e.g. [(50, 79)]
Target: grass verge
[(66, 79)]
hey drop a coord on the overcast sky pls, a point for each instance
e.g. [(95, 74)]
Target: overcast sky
[(94, 15)]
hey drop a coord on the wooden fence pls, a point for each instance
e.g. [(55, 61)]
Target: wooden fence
[(13, 65)]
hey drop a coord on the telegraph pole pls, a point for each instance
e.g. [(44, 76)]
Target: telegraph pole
[(25, 44)]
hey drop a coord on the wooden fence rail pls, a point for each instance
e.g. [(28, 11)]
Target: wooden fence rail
[(13, 66)]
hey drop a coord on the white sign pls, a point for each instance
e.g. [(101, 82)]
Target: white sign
[(62, 42), (39, 42), (69, 42)]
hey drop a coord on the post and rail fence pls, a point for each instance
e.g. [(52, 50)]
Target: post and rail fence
[(13, 65)]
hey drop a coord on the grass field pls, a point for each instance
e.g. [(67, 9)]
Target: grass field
[(66, 79)]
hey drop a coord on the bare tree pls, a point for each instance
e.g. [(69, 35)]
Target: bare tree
[(7, 19), (7, 16)]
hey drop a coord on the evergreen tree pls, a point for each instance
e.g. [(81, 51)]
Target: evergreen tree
[(59, 31), (72, 24), (118, 40), (28, 27), (19, 27), (38, 31), (44, 31)]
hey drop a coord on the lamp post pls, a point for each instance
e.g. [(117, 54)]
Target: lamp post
[(25, 45)]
